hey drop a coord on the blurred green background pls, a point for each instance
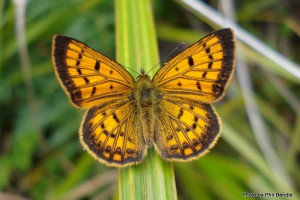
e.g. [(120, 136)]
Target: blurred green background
[(40, 154)]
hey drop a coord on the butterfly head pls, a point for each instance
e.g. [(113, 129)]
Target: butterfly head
[(143, 75)]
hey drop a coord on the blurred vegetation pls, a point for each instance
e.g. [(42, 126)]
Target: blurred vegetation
[(40, 154)]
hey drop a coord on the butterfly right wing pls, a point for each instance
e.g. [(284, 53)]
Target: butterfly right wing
[(88, 77), (111, 134)]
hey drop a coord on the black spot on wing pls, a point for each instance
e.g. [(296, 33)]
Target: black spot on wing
[(191, 61), (210, 65), (107, 149), (198, 85), (195, 118), (102, 126), (116, 118), (93, 91), (180, 113), (186, 145), (207, 50), (194, 126), (118, 150), (80, 55), (169, 137), (86, 80), (97, 65), (105, 132)]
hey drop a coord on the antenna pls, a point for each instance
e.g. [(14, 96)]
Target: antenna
[(163, 60), (130, 69)]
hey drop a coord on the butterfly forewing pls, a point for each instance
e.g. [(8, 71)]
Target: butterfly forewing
[(202, 71), (88, 77)]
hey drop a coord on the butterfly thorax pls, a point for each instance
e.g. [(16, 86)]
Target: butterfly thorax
[(144, 91), (145, 95)]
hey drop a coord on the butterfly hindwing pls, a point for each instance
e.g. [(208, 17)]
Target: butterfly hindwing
[(110, 134), (88, 77), (187, 131), (202, 71)]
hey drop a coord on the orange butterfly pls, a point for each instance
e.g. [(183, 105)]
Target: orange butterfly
[(171, 112)]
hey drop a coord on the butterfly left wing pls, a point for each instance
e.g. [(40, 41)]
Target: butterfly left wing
[(201, 72), (186, 131), (88, 77), (111, 134)]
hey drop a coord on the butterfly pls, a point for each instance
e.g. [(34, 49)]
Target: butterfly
[(172, 112)]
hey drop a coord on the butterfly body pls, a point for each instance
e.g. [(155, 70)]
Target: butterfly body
[(171, 112), (147, 101)]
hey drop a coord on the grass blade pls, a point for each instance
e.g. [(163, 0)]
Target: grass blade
[(137, 47)]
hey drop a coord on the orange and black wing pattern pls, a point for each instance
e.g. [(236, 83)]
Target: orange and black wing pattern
[(91, 80), (111, 134), (88, 77), (186, 124), (189, 126), (202, 71), (186, 131)]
